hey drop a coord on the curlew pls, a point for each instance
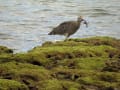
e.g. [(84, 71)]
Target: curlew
[(68, 28)]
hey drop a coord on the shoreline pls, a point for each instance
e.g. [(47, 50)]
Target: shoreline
[(25, 50)]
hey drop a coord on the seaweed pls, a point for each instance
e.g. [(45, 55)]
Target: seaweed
[(73, 64)]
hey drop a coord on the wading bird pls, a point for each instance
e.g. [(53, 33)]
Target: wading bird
[(68, 28)]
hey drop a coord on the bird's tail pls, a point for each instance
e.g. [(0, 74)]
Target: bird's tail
[(50, 33), (53, 32)]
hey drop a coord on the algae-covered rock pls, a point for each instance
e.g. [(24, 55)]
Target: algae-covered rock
[(59, 85), (26, 73), (74, 64), (112, 66), (4, 49), (12, 85), (100, 41)]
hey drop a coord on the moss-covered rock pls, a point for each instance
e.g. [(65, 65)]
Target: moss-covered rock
[(74, 64)]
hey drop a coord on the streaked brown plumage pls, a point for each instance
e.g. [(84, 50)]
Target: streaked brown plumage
[(67, 28)]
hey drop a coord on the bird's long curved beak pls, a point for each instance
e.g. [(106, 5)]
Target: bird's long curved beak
[(85, 22)]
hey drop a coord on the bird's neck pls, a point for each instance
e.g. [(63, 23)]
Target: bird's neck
[(79, 22)]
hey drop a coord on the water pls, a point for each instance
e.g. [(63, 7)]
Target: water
[(25, 24)]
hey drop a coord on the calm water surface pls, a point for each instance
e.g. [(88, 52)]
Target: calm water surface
[(25, 24)]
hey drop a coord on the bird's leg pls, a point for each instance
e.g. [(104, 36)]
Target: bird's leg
[(67, 35)]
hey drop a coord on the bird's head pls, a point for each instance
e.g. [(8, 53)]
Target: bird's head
[(80, 19)]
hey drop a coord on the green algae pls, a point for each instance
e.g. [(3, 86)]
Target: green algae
[(12, 85), (6, 50), (59, 85), (74, 64), (112, 65)]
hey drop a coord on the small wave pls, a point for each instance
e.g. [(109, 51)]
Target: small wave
[(101, 14), (99, 10)]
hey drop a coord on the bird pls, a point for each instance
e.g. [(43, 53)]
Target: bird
[(68, 28)]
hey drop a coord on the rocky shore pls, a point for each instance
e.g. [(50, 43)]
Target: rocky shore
[(75, 64)]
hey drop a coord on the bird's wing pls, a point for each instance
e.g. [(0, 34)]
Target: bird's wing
[(62, 28), (64, 24)]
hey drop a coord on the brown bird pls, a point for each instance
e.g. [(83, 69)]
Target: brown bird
[(68, 28)]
